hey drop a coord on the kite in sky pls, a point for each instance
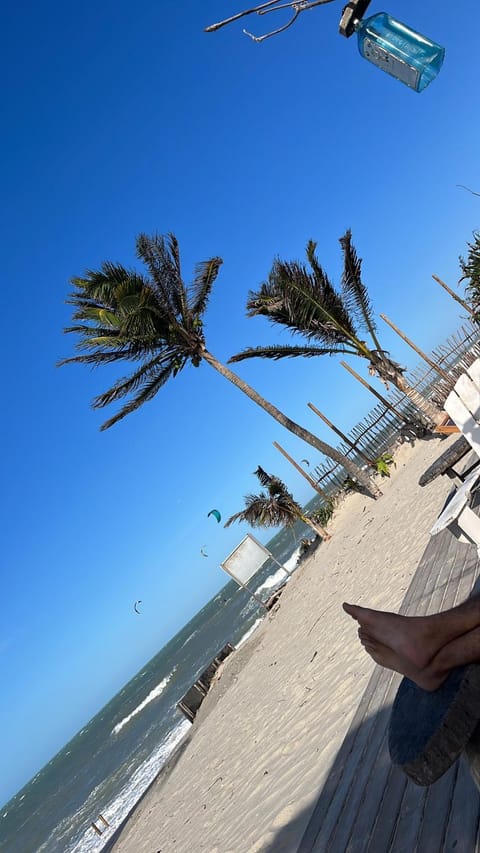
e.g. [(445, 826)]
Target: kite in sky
[(135, 606), (216, 513)]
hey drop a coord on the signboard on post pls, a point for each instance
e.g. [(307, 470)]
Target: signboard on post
[(245, 560)]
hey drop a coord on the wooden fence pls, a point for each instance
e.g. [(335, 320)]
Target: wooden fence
[(382, 428)]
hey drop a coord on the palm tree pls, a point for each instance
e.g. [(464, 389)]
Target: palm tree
[(155, 320), (471, 272), (305, 301), (274, 507)]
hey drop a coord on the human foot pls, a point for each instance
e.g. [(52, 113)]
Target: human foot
[(411, 637), (427, 678)]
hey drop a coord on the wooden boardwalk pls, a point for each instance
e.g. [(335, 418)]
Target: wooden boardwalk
[(367, 805)]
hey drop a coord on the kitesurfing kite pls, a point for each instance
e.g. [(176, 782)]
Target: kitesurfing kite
[(216, 513), (135, 606), (203, 552), (306, 462)]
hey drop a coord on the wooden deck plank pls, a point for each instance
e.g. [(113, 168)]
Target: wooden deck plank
[(409, 819), (438, 598), (417, 807), (436, 813), (366, 804), (464, 814), (377, 695), (336, 792)]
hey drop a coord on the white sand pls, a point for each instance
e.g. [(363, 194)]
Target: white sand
[(255, 767)]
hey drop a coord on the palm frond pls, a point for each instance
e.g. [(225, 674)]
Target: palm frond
[(355, 293), (165, 281), (122, 315), (147, 391), (260, 511), (303, 302), (201, 287), (288, 351)]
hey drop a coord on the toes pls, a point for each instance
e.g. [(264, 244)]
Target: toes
[(350, 609)]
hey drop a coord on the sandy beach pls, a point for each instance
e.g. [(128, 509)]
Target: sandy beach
[(267, 735)]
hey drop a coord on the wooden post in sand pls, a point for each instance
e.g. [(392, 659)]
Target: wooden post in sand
[(454, 295), (302, 472), (419, 352), (341, 434), (375, 392), (96, 828)]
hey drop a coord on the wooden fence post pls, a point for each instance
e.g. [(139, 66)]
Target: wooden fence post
[(341, 434), (454, 295), (414, 347), (301, 471)]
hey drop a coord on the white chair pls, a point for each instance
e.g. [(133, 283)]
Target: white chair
[(474, 372), (463, 406)]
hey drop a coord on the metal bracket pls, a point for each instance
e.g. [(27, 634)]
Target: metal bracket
[(353, 11)]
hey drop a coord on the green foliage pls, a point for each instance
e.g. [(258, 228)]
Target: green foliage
[(382, 463), (323, 514), (470, 267), (151, 318), (274, 507), (351, 485), (301, 298)]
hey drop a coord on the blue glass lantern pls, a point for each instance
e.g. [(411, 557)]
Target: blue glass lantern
[(392, 46)]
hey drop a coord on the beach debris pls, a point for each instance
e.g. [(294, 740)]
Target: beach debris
[(136, 605), (313, 656), (203, 552), (218, 779), (216, 514)]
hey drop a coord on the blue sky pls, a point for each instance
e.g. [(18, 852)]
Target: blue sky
[(125, 117)]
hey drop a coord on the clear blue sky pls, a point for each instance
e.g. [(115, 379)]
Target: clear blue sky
[(121, 117)]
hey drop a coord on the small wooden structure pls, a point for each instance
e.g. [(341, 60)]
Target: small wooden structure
[(96, 828), (193, 698)]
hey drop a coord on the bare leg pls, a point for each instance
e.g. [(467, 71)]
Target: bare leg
[(459, 652), (417, 639)]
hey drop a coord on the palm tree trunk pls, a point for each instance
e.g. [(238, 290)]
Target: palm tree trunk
[(295, 428), (320, 531), (431, 412)]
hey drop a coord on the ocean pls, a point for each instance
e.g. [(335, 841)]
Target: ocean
[(108, 765)]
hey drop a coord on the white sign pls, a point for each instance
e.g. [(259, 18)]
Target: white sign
[(246, 559)]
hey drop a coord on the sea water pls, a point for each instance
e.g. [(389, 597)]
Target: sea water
[(114, 758)]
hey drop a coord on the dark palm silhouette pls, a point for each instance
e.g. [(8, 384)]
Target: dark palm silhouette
[(304, 301), (154, 320), (274, 508), (470, 267)]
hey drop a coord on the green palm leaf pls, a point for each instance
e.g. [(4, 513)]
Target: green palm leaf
[(153, 320), (273, 508), (288, 351), (355, 293)]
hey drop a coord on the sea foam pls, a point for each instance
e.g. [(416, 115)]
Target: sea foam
[(116, 811), (154, 694)]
